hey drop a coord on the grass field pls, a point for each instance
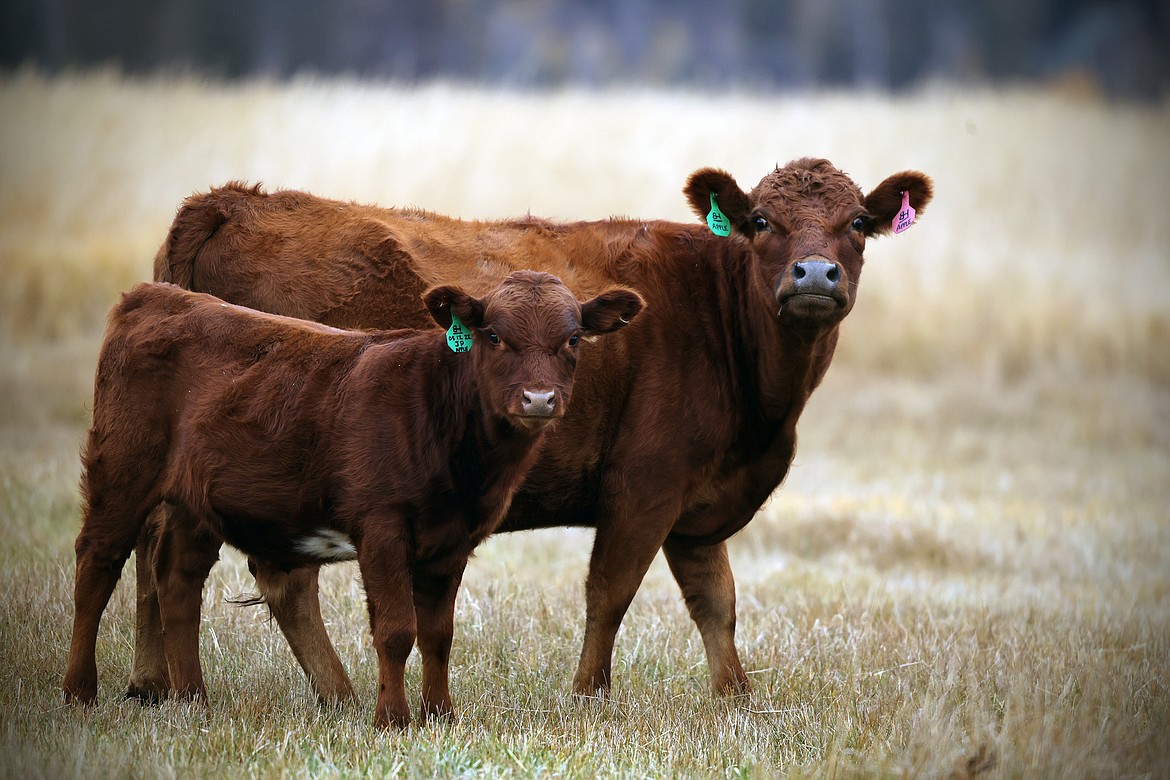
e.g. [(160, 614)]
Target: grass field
[(968, 569)]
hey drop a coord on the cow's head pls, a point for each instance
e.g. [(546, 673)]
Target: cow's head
[(806, 224), (527, 336)]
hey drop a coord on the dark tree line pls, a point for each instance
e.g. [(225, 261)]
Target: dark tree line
[(1120, 46)]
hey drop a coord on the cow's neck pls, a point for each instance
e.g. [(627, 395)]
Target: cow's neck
[(779, 365)]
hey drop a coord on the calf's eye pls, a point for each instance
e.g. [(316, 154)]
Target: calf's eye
[(859, 224), (493, 338), (573, 340), (760, 224)]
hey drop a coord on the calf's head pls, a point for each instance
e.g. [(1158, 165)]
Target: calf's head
[(526, 339), (806, 224)]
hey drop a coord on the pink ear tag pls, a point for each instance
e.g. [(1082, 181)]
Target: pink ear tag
[(905, 217)]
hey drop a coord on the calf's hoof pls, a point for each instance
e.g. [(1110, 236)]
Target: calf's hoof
[(733, 686), (439, 710), (79, 694), (596, 687), (342, 697), (387, 720), (191, 694), (148, 692)]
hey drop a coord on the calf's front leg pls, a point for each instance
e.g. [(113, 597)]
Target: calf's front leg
[(383, 560), (434, 610)]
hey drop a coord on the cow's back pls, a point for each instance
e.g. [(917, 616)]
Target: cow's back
[(360, 266)]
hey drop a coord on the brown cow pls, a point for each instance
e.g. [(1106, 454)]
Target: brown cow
[(301, 444), (683, 425)]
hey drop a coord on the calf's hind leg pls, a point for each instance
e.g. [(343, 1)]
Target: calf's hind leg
[(149, 680), (113, 518), (184, 557)]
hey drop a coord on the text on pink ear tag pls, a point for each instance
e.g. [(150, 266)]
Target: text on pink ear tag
[(905, 217)]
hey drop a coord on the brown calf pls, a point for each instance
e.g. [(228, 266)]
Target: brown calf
[(301, 444), (682, 426)]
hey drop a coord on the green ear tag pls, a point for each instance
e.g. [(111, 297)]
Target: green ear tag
[(458, 336), (716, 220)]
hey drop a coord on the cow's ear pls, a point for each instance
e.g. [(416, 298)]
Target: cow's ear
[(885, 201), (610, 311), (441, 301), (729, 198)]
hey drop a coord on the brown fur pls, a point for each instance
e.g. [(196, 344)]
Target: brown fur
[(683, 425), (301, 444)]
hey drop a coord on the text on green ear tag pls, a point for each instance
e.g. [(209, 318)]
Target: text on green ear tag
[(458, 336), (717, 221)]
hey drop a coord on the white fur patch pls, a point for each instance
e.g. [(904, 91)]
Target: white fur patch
[(327, 545)]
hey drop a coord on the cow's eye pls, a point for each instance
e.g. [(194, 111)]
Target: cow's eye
[(573, 340), (859, 224), (493, 337), (760, 224)]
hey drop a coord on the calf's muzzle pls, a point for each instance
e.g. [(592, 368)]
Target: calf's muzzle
[(538, 403)]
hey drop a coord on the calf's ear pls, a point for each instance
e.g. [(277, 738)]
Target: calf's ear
[(441, 301), (610, 311), (729, 198), (885, 200)]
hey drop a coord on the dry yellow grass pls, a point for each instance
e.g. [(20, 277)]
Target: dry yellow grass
[(971, 553)]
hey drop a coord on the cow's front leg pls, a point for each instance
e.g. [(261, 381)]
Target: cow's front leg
[(434, 609), (704, 575), (383, 558), (293, 598), (622, 551), (183, 558)]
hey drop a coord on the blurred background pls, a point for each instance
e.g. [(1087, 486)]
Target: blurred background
[(1117, 47), (988, 457)]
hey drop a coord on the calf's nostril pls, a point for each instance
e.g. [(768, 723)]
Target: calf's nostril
[(798, 271), (539, 404), (834, 273)]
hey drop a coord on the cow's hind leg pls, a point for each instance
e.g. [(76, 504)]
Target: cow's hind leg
[(149, 680), (184, 557), (294, 600), (704, 575), (434, 610), (114, 515)]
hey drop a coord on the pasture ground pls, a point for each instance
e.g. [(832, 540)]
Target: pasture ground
[(967, 570)]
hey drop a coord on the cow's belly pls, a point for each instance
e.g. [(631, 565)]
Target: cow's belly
[(552, 499), (718, 508)]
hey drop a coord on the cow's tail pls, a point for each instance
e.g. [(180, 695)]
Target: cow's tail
[(200, 216)]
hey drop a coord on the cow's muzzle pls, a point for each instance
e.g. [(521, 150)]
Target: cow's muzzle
[(812, 288)]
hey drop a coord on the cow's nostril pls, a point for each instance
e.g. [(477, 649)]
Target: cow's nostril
[(816, 277)]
